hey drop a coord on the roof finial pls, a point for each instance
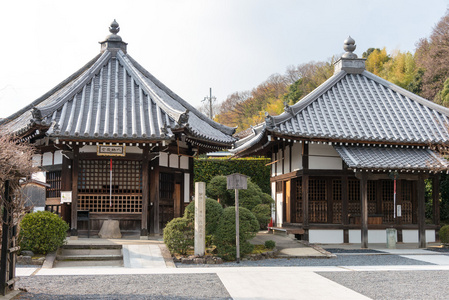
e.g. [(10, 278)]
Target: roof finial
[(114, 28), (349, 46)]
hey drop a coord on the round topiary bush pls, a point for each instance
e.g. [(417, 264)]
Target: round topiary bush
[(214, 211), (224, 238), (444, 234), (42, 232), (217, 188), (262, 213), (270, 244), (179, 235)]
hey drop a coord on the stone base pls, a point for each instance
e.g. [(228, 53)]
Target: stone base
[(110, 230)]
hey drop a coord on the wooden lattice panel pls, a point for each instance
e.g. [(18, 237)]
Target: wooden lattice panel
[(299, 200), (407, 202), (115, 204), (372, 191), (353, 191), (388, 213), (54, 180), (317, 201), (94, 186), (336, 201)]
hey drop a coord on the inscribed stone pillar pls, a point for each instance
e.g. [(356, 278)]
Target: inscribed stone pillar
[(200, 218)]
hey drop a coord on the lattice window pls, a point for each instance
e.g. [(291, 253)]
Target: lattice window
[(299, 200), (387, 201), (317, 201), (54, 180), (354, 191), (407, 202), (166, 186), (336, 201), (94, 186)]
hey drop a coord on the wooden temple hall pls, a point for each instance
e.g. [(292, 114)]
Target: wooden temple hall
[(352, 158), (115, 143)]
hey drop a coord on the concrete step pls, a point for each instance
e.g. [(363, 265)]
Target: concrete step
[(91, 253)]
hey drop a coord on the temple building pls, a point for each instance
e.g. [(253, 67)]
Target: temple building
[(116, 143), (351, 159)]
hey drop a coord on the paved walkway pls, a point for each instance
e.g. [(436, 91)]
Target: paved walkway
[(147, 257)]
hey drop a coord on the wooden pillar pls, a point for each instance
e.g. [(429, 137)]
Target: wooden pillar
[(66, 185), (154, 195), (436, 199), (75, 171), (145, 192), (364, 208), (345, 208), (305, 205), (421, 212), (399, 198)]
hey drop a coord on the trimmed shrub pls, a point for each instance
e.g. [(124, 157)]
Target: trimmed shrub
[(262, 213), (270, 244), (224, 238), (179, 235), (444, 234), (42, 232), (213, 214), (217, 189), (207, 168)]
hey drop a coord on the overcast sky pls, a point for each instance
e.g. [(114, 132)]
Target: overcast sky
[(190, 46)]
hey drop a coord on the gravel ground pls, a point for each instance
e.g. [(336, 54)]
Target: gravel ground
[(353, 260), (173, 286), (394, 284)]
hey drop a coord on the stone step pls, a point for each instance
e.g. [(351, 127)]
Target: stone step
[(89, 254)]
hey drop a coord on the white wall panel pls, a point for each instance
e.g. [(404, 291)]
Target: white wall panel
[(163, 159), (296, 157), (58, 157), (184, 162), (325, 163), (173, 159), (88, 149), (287, 160), (279, 163), (326, 236), (37, 160), (279, 205), (186, 187), (47, 159), (273, 166)]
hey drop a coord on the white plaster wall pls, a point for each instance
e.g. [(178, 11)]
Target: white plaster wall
[(37, 160), (186, 187), (334, 236), (412, 236), (273, 166), (133, 149), (327, 158), (296, 157), (325, 163), (287, 160), (173, 160), (58, 157), (184, 162), (378, 236), (354, 236), (279, 163), (273, 196), (40, 176), (47, 159), (163, 159), (89, 149), (279, 203)]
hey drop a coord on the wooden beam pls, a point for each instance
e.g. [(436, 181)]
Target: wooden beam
[(305, 200), (421, 212), (364, 208), (345, 207), (154, 195)]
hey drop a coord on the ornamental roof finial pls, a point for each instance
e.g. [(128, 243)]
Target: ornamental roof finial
[(114, 28), (349, 46)]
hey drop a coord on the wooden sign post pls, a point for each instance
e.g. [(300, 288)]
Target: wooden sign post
[(238, 182)]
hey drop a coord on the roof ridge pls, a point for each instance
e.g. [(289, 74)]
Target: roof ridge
[(309, 98), (51, 92), (75, 88), (223, 128)]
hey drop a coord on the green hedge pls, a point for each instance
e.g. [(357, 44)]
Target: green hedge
[(207, 168)]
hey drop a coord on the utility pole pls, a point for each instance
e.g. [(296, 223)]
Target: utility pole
[(210, 99)]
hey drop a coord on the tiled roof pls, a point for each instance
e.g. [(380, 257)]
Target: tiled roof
[(115, 98), (391, 158), (364, 107)]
